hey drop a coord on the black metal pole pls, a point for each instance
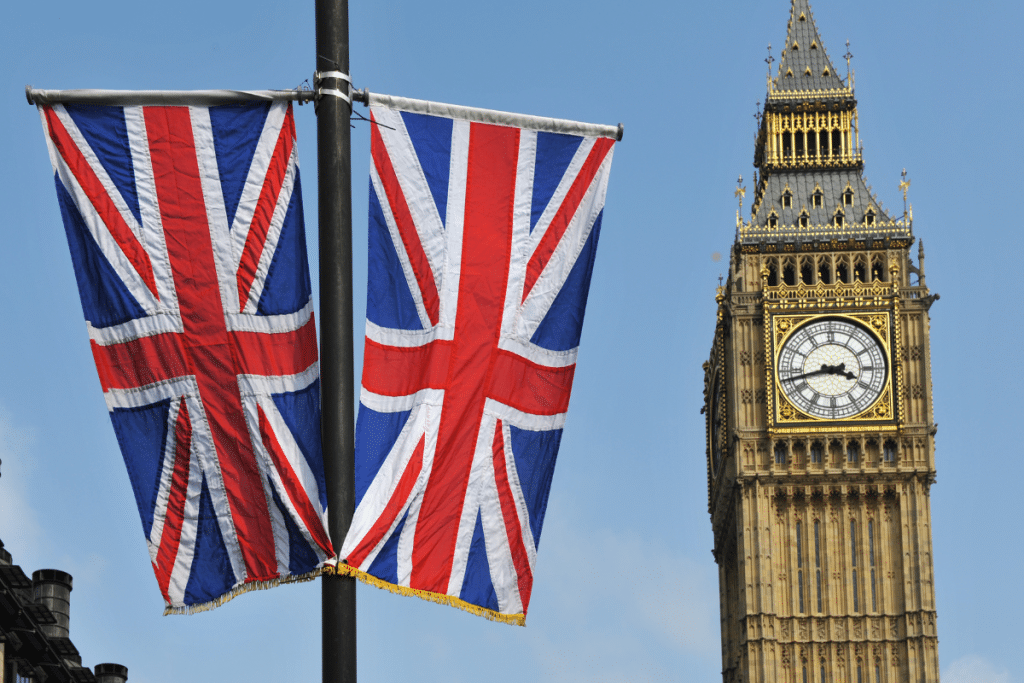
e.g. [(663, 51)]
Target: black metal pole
[(336, 372)]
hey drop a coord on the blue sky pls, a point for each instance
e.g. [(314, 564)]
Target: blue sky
[(626, 587)]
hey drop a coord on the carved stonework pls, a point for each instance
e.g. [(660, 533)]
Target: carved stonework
[(819, 498)]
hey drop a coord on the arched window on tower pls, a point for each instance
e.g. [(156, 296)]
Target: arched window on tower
[(773, 274), (889, 452), (773, 220), (787, 142), (848, 196), (842, 274), (805, 218), (817, 561), (789, 274), (838, 218), (800, 570), (853, 565), (852, 452), (877, 270), (860, 273), (825, 273), (869, 217), (817, 197), (807, 272), (816, 452), (871, 563), (780, 453)]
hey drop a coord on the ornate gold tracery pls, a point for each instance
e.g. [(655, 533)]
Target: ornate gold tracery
[(796, 139)]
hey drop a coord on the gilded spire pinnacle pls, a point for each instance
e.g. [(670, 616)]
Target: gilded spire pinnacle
[(740, 193), (904, 186), (849, 72)]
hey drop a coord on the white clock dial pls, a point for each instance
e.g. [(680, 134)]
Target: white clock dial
[(832, 369)]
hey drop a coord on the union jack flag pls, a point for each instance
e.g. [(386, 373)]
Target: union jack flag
[(481, 247), (186, 233)]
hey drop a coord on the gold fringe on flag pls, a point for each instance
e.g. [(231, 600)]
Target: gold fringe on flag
[(247, 587), (439, 598)]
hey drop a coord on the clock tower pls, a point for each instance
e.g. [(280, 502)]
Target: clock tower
[(818, 403)]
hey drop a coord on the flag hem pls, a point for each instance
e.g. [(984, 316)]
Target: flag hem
[(501, 118), (247, 588), (439, 598)]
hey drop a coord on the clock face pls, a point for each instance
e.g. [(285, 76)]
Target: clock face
[(832, 369), (716, 423)]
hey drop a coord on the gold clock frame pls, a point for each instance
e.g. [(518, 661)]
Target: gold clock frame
[(879, 315)]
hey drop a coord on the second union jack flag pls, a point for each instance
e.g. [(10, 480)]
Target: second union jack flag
[(186, 233), (482, 238)]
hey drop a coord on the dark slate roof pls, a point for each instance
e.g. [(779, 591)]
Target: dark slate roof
[(804, 51), (833, 183)]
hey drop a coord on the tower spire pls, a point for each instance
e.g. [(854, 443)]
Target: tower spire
[(808, 152), (804, 65)]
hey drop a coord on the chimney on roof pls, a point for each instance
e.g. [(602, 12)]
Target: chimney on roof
[(52, 589), (111, 673)]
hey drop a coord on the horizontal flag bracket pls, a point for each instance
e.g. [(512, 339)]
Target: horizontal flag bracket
[(124, 98), (501, 118)]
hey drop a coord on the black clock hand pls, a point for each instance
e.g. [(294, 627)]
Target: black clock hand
[(841, 371), (825, 369)]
